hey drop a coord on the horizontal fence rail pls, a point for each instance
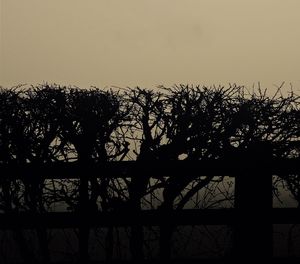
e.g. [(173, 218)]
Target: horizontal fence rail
[(146, 218), (252, 217), (155, 169)]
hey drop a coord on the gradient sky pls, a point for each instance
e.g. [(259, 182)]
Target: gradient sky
[(150, 42)]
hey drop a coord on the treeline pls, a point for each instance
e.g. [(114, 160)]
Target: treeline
[(51, 123)]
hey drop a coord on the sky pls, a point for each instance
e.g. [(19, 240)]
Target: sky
[(150, 42)]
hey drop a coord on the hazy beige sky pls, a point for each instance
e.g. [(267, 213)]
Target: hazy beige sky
[(149, 42)]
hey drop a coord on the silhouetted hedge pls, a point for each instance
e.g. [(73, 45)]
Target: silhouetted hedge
[(52, 124)]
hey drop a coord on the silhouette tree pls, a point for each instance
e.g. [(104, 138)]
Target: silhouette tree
[(90, 118), (50, 124), (147, 127)]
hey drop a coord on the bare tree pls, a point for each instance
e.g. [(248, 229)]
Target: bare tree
[(54, 124)]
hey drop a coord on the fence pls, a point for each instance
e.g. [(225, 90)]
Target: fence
[(252, 217)]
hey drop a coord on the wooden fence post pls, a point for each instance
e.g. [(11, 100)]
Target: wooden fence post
[(83, 212), (253, 232)]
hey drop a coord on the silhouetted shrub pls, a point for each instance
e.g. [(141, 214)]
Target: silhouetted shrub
[(55, 124)]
